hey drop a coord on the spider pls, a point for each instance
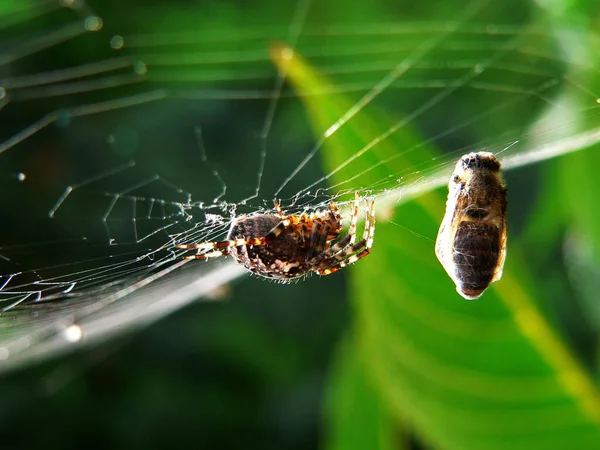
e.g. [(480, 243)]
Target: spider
[(284, 247)]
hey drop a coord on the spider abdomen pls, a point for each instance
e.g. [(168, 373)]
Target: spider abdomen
[(283, 257)]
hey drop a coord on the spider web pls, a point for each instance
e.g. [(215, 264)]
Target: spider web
[(119, 142)]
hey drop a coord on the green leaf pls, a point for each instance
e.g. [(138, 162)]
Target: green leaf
[(489, 374), (575, 180), (580, 197)]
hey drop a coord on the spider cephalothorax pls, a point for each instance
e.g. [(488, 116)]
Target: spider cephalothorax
[(284, 247)]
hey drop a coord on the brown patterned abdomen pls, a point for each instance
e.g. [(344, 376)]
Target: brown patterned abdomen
[(285, 257)]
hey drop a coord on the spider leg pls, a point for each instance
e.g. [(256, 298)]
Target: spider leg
[(354, 219), (221, 244), (213, 254), (276, 231), (364, 242), (317, 238), (221, 248), (349, 239), (278, 209), (335, 218), (350, 254)]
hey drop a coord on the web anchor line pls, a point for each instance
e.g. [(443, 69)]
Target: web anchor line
[(400, 69)]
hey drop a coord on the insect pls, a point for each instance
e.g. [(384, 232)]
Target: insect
[(471, 242), (285, 247)]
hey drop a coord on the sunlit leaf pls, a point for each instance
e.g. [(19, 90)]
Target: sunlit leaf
[(489, 374)]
